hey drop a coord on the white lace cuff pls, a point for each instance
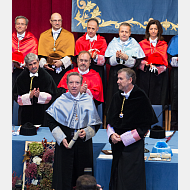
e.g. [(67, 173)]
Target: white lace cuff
[(130, 137), (113, 61), (66, 61), (90, 132), (58, 135), (24, 100), (44, 98), (109, 131), (174, 61), (130, 62), (89, 93), (100, 60), (42, 62)]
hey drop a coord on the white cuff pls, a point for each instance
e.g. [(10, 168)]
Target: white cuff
[(130, 137), (90, 132), (58, 69), (113, 61), (130, 62), (24, 100), (22, 64), (174, 61), (109, 131), (100, 60), (66, 61), (44, 98), (161, 69), (89, 93), (58, 134), (42, 62), (142, 65)]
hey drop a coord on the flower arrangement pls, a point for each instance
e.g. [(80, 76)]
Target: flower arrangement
[(14, 179), (36, 148), (31, 170), (39, 161)]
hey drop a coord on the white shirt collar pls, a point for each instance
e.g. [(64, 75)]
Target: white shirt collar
[(34, 74), (91, 39), (124, 43), (75, 98), (56, 31), (154, 42), (82, 73), (21, 36), (127, 94)]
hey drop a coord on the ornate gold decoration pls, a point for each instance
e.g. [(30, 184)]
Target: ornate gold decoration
[(167, 24), (93, 9)]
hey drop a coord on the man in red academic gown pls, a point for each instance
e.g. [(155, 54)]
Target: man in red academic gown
[(23, 42), (93, 43), (92, 81)]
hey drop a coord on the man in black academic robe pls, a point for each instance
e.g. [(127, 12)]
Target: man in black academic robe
[(72, 112), (129, 117), (33, 90)]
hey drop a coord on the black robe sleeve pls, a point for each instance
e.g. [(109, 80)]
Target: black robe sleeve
[(51, 122)]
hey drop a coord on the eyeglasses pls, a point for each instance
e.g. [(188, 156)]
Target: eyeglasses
[(22, 24), (56, 21)]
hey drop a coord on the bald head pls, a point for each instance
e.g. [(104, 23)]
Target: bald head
[(55, 15), (56, 21)]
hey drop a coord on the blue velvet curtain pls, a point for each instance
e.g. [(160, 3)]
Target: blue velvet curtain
[(111, 13)]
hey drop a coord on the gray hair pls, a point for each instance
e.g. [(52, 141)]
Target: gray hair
[(129, 73), (19, 17), (30, 57), (74, 73)]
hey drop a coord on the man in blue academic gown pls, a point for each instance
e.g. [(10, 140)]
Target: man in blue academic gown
[(123, 52), (71, 112)]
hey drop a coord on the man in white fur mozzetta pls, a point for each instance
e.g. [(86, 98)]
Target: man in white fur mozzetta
[(122, 52), (71, 112)]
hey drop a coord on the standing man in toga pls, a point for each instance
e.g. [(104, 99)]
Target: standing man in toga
[(71, 112), (129, 117)]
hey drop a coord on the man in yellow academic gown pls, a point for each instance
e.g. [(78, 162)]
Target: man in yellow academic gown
[(56, 46)]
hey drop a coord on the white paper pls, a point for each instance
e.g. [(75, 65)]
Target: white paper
[(168, 133), (175, 151), (103, 156), (72, 142)]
